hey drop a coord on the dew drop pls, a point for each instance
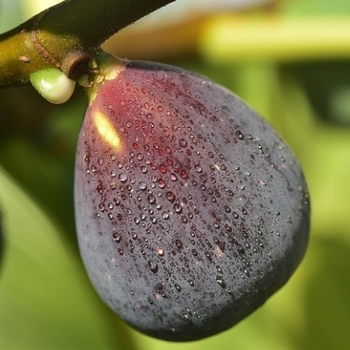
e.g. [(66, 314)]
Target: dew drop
[(151, 199), (184, 174), (220, 281), (165, 215), (142, 186), (239, 135), (182, 143), (177, 208), (161, 183), (134, 235), (178, 288), (117, 237), (144, 169), (178, 243), (227, 209), (123, 177), (162, 168), (170, 196), (160, 251), (153, 266), (99, 189), (207, 254), (198, 169)]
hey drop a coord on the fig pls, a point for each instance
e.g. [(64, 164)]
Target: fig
[(190, 209)]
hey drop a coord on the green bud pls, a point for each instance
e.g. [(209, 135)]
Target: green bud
[(53, 85)]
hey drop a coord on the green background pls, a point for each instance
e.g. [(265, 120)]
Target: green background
[(46, 301)]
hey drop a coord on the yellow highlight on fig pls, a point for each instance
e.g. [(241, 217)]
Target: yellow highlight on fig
[(106, 129)]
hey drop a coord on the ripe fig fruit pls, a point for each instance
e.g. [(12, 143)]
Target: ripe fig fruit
[(191, 211)]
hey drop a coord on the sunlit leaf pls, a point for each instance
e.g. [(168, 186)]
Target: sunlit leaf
[(232, 38)]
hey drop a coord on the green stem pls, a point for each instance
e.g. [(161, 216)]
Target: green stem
[(65, 35)]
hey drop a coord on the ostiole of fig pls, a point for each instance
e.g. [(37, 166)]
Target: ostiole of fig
[(190, 210)]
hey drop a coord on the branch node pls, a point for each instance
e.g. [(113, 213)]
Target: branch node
[(75, 64)]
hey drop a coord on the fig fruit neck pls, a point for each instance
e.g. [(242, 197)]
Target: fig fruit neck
[(103, 67)]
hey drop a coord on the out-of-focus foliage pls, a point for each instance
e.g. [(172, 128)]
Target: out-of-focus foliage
[(46, 301)]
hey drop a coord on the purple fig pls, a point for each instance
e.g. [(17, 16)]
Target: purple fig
[(191, 211)]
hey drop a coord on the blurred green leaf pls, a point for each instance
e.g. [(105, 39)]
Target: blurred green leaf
[(42, 160), (315, 7), (326, 301), (46, 302), (327, 86)]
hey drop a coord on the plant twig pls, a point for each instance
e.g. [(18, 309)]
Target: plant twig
[(73, 28)]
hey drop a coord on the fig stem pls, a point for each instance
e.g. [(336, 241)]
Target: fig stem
[(71, 27)]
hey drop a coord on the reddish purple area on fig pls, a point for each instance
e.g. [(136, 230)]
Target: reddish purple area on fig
[(190, 210)]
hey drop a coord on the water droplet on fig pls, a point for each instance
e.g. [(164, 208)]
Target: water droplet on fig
[(220, 281), (182, 143), (123, 177), (142, 186), (117, 237), (178, 288), (153, 266)]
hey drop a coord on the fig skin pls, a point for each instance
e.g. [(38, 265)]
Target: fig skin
[(191, 211)]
